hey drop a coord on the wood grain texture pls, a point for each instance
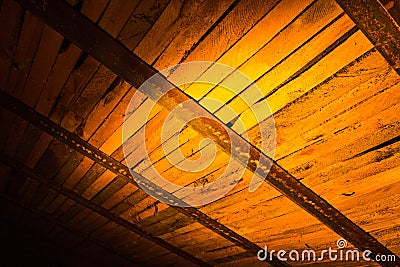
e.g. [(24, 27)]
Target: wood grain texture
[(334, 97)]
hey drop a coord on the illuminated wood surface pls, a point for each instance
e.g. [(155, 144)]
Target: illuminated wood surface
[(344, 103)]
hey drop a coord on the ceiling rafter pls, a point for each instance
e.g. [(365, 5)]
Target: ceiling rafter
[(35, 118), (102, 211), (120, 60), (372, 18)]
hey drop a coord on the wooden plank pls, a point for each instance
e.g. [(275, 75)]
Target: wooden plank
[(70, 211), (112, 189), (359, 131), (29, 138), (229, 30), (175, 15), (141, 20), (55, 205), (87, 129), (64, 207), (45, 57), (377, 24), (26, 192), (327, 98), (182, 31), (81, 75), (99, 184), (88, 99), (27, 44), (78, 172), (53, 159), (119, 196), (67, 59), (116, 15), (93, 222), (51, 196), (7, 119), (364, 217), (11, 20)]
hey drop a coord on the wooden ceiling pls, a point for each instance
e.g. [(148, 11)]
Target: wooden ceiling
[(328, 70)]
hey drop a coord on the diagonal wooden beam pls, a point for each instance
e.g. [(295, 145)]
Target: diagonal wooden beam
[(372, 18), (29, 114), (102, 211), (108, 51)]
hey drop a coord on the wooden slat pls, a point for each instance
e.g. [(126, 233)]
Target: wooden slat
[(11, 16), (27, 44), (231, 29), (377, 24), (144, 16), (173, 20), (359, 129)]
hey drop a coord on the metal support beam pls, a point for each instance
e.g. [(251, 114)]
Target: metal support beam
[(102, 211), (372, 18), (112, 54)]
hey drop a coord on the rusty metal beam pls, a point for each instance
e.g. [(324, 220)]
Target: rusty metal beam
[(108, 51), (102, 211), (372, 18), (27, 113)]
